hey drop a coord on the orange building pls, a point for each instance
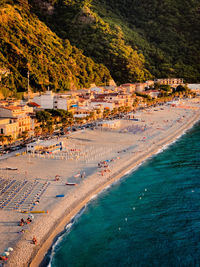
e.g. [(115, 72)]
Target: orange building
[(19, 114)]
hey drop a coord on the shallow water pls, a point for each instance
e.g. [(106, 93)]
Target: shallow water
[(149, 218)]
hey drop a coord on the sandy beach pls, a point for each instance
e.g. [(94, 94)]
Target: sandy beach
[(93, 159)]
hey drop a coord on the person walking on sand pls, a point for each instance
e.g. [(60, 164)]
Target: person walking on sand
[(57, 177), (34, 240)]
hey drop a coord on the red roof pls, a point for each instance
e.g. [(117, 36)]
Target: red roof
[(12, 108), (33, 104)]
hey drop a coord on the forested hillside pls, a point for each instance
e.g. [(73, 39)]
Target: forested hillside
[(102, 40), (68, 44), (167, 32), (132, 36), (26, 43)]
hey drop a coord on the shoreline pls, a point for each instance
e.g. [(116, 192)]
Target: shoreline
[(48, 227), (39, 256)]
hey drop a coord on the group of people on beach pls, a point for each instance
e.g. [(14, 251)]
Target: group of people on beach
[(4, 255), (27, 221), (23, 222), (3, 258), (34, 240), (104, 165)]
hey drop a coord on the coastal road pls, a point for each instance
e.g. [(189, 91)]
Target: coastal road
[(12, 154)]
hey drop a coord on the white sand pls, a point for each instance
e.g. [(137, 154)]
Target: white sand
[(128, 146)]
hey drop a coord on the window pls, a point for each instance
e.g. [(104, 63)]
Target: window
[(1, 131)]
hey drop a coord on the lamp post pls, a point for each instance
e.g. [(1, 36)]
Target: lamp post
[(28, 86)]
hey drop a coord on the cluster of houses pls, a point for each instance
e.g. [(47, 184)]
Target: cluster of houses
[(17, 117), (82, 102)]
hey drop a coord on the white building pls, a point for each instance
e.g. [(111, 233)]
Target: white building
[(194, 86), (49, 100), (152, 93), (170, 81), (96, 90), (49, 146), (60, 102), (140, 87), (45, 101), (110, 124), (95, 103)]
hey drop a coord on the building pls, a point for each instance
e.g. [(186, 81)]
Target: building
[(45, 100), (106, 104), (140, 87), (66, 102), (152, 93), (170, 81), (130, 87), (194, 87), (9, 127), (60, 102), (49, 100), (21, 116), (34, 105), (82, 111), (150, 83), (46, 147), (115, 124), (96, 90)]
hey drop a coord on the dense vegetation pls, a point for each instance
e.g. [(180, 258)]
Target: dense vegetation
[(26, 43), (167, 32), (101, 40), (121, 33), (70, 44)]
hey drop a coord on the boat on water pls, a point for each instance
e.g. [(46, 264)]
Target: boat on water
[(73, 184)]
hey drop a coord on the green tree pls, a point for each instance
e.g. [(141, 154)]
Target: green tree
[(9, 139), (37, 131), (2, 139), (24, 135)]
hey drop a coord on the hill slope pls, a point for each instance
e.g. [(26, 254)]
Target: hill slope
[(26, 43), (101, 40), (70, 44), (169, 33), (121, 33)]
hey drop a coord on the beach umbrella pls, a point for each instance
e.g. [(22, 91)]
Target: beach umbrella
[(31, 216), (9, 249), (6, 253)]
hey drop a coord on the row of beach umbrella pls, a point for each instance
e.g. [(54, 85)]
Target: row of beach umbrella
[(7, 252)]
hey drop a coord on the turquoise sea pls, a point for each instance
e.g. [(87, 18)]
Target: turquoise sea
[(151, 217)]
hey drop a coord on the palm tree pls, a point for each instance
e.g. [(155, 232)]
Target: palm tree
[(49, 126), (9, 139), (98, 111), (44, 129), (106, 113), (91, 115), (24, 135), (37, 131), (2, 139)]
